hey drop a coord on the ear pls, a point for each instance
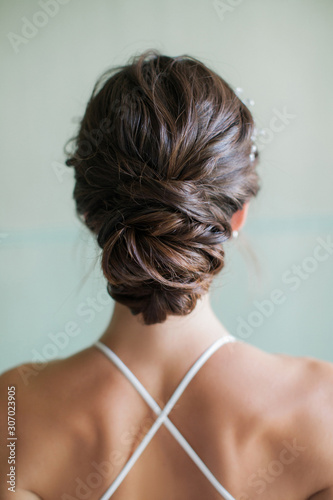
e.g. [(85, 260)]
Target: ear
[(238, 219)]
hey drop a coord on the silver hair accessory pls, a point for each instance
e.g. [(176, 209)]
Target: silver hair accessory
[(250, 102), (255, 133)]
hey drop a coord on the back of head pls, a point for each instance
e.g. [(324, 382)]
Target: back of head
[(162, 162)]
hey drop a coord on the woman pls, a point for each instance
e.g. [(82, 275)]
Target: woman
[(165, 167)]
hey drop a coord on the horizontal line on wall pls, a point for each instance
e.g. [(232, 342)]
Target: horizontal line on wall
[(262, 226), (300, 224)]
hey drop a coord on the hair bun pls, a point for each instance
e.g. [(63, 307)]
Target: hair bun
[(156, 253)]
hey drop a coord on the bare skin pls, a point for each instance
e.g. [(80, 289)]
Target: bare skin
[(261, 422)]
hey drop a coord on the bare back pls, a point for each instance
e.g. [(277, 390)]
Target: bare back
[(249, 415)]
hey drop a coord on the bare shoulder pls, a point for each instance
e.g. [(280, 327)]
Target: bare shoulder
[(287, 403), (305, 389), (279, 408), (45, 390), (59, 396), (23, 383), (317, 391), (315, 422), (12, 385)]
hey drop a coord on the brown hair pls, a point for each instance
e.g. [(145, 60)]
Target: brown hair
[(161, 164)]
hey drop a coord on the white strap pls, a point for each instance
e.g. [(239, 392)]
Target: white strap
[(162, 416)]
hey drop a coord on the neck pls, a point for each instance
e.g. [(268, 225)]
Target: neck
[(178, 334)]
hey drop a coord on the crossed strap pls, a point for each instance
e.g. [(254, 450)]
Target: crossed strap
[(162, 416)]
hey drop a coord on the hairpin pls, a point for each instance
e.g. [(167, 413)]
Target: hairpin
[(256, 132)]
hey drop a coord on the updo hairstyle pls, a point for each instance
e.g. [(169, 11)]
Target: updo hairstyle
[(162, 162)]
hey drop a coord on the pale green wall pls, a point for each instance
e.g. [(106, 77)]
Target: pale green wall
[(278, 51)]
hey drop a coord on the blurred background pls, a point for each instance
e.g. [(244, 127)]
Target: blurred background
[(275, 291)]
